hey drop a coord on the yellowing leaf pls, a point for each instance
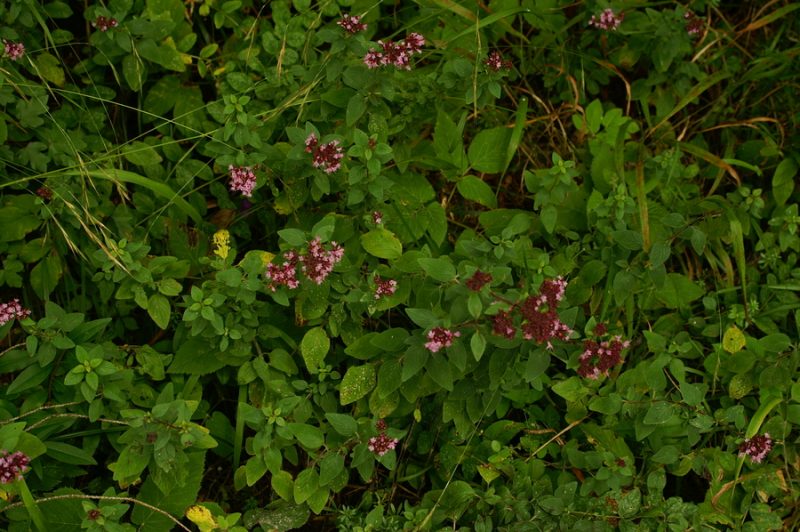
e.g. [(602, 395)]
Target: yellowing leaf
[(201, 516), (733, 341)]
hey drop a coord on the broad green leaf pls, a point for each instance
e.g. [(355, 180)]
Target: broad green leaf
[(49, 67), (783, 181), (314, 347), (141, 154), (308, 435), (475, 189), (305, 485), (382, 243), (69, 454), (487, 152), (357, 382), (733, 341), (440, 268), (134, 71), (159, 309), (342, 423)]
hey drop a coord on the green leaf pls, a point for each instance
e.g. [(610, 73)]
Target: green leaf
[(678, 291), (69, 454), (733, 340), (342, 423), (16, 223), (141, 154), (356, 107), (330, 467), (308, 435), (549, 217), (175, 503), (594, 116), (357, 382), (314, 347), (658, 413), (440, 268), (195, 357), (439, 370), (46, 275), (487, 152), (159, 309), (29, 378), (133, 71), (570, 389), (389, 377), (254, 470), (382, 243), (283, 485), (475, 189), (49, 67), (306, 483), (422, 317), (783, 181), (478, 345)]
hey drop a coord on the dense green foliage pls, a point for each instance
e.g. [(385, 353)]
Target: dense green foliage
[(283, 271)]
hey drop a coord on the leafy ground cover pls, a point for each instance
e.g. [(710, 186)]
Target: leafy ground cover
[(506, 265)]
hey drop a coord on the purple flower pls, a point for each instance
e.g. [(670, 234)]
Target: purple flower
[(12, 466), (326, 157), (377, 217), (395, 53), (478, 280), (694, 24), (311, 142), (13, 50), (104, 23), (756, 447), (284, 274), (439, 337), (503, 325), (384, 287), (318, 262), (496, 62), (608, 20), (373, 59), (598, 358), (382, 444), (12, 310), (242, 179), (351, 24)]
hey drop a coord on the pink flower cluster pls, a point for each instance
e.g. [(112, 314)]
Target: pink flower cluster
[(242, 179), (439, 337), (382, 443), (284, 274), (478, 280), (496, 62), (694, 24), (377, 217), (318, 262), (104, 23), (608, 20), (598, 358), (384, 287), (13, 50), (351, 25), (327, 157), (540, 321), (11, 310), (12, 466), (395, 53), (756, 447)]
